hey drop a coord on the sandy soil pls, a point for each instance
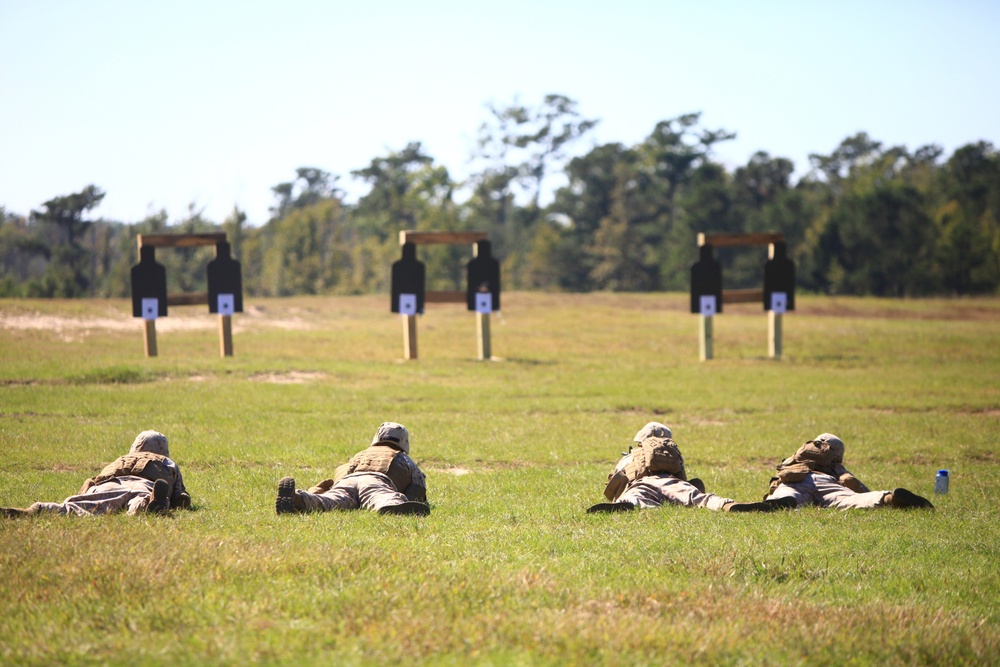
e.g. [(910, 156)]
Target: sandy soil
[(291, 377), (70, 328), (297, 319)]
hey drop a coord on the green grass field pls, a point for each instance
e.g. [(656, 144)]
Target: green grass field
[(507, 569)]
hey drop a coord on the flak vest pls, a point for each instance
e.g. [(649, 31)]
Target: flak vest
[(376, 458), (141, 464), (380, 459)]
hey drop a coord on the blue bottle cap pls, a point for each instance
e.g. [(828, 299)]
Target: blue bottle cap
[(943, 473)]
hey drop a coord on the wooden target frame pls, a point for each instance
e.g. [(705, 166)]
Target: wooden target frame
[(186, 298), (753, 295), (418, 238)]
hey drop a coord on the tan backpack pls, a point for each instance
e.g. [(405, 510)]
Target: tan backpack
[(652, 456), (655, 455)]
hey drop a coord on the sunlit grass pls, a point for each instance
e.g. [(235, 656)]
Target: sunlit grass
[(507, 569)]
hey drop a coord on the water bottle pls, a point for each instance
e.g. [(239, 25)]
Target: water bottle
[(941, 482)]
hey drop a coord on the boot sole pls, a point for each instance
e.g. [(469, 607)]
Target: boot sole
[(751, 507), (285, 503), (907, 500), (608, 508), (785, 503), (159, 502), (14, 512), (410, 508)]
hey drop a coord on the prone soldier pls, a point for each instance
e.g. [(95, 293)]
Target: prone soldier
[(815, 475), (382, 478), (144, 480), (652, 473)]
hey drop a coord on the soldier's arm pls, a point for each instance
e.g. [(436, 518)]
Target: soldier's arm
[(181, 499), (86, 486), (416, 492), (108, 473), (341, 471), (845, 477), (417, 488), (617, 478), (853, 483), (772, 486)]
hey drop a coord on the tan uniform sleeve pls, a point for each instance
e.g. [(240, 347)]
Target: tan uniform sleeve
[(341, 471), (852, 482), (180, 498), (109, 472), (408, 478), (617, 479)]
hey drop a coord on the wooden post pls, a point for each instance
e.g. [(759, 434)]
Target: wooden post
[(225, 335), (150, 337), (409, 336), (483, 336), (773, 334), (705, 339), (444, 296)]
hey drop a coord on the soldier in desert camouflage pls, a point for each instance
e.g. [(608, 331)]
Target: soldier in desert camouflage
[(652, 473), (144, 480), (815, 475), (382, 478)]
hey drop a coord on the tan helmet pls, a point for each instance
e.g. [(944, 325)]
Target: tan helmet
[(152, 442), (393, 435), (830, 438), (653, 429)]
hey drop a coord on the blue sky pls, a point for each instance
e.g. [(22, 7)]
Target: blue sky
[(165, 105)]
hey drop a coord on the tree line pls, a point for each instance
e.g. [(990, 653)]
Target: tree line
[(867, 219)]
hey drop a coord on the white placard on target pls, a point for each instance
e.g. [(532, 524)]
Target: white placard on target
[(708, 305), (407, 304), (225, 304), (779, 302), (150, 309), (484, 302)]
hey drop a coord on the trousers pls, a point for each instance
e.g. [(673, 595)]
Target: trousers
[(128, 493), (360, 490), (655, 490), (818, 488)]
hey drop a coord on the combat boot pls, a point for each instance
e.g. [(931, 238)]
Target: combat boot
[(183, 501), (604, 508), (159, 499), (697, 483), (772, 505), (14, 512), (288, 501), (410, 507), (904, 500)]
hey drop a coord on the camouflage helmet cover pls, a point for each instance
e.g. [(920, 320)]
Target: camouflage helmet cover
[(653, 429), (394, 435), (152, 442)]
